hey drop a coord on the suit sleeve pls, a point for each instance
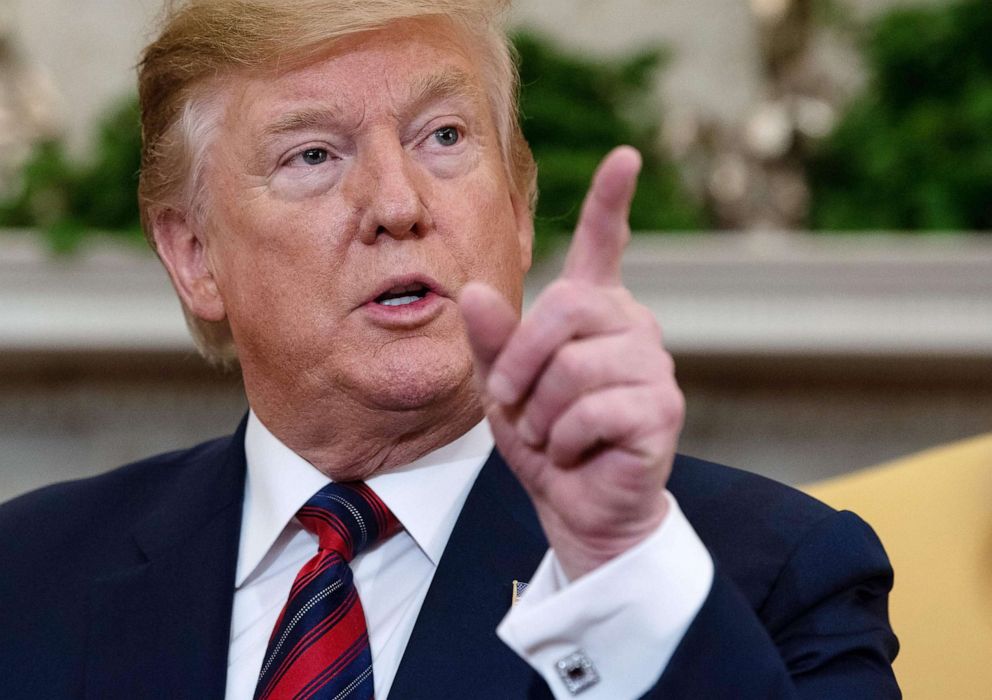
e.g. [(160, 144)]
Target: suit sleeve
[(821, 633)]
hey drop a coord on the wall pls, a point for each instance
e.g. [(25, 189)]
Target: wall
[(800, 357)]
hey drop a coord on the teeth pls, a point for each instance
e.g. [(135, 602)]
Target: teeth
[(399, 301)]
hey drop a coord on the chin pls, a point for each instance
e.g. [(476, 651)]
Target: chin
[(403, 381)]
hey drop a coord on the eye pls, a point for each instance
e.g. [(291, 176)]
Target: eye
[(447, 136), (314, 156)]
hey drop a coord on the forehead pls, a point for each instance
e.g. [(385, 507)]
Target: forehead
[(373, 71)]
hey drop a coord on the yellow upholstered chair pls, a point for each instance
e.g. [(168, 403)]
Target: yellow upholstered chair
[(933, 512)]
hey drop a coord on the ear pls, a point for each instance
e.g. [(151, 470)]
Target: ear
[(524, 219), (182, 249)]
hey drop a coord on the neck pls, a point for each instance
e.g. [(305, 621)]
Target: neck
[(351, 442)]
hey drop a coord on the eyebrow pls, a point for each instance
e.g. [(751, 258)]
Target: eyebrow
[(300, 120), (451, 83)]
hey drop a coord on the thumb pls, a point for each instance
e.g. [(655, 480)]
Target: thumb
[(490, 321)]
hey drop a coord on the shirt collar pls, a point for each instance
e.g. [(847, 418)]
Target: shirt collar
[(279, 482)]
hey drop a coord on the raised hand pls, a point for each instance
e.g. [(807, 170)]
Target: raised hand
[(580, 393)]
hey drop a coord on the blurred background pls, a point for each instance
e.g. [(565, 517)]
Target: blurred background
[(813, 224)]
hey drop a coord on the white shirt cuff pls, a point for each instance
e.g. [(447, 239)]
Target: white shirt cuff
[(627, 617)]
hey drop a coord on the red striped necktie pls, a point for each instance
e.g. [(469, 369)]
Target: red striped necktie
[(319, 649)]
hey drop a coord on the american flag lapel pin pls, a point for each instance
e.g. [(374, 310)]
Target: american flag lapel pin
[(518, 590)]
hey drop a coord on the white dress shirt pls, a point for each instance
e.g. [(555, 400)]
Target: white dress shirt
[(627, 617)]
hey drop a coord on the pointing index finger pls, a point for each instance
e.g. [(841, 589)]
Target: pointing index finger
[(603, 231)]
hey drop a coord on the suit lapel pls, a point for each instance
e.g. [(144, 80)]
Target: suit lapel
[(453, 650), (160, 625)]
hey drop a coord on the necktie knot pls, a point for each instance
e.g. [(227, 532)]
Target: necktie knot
[(347, 518), (319, 647)]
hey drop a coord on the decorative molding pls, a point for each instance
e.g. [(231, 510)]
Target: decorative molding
[(715, 294)]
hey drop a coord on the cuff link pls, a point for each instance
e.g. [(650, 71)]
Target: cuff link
[(577, 672)]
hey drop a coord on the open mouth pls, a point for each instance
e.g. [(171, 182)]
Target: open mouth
[(403, 295)]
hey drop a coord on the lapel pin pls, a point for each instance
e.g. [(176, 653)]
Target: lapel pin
[(518, 590)]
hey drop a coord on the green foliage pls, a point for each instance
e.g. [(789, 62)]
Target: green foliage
[(573, 112), (916, 151), (69, 200)]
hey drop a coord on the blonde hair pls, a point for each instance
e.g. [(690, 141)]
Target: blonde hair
[(202, 40)]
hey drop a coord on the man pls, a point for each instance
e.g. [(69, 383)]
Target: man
[(343, 200)]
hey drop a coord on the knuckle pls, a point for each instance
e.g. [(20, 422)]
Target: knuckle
[(572, 312), (587, 416), (645, 319), (651, 323), (659, 449), (561, 310), (559, 292), (546, 403), (570, 363), (631, 413), (534, 418), (666, 364), (623, 296), (672, 407)]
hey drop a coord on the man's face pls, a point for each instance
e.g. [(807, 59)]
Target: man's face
[(350, 201)]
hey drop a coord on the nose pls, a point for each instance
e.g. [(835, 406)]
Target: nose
[(389, 188)]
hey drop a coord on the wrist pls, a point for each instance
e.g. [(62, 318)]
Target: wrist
[(581, 553)]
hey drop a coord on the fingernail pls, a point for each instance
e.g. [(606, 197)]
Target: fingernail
[(501, 389)]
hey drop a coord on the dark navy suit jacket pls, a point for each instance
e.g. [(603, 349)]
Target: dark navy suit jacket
[(120, 586)]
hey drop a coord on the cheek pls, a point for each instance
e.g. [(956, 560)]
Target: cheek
[(275, 257), (266, 231), (492, 253)]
